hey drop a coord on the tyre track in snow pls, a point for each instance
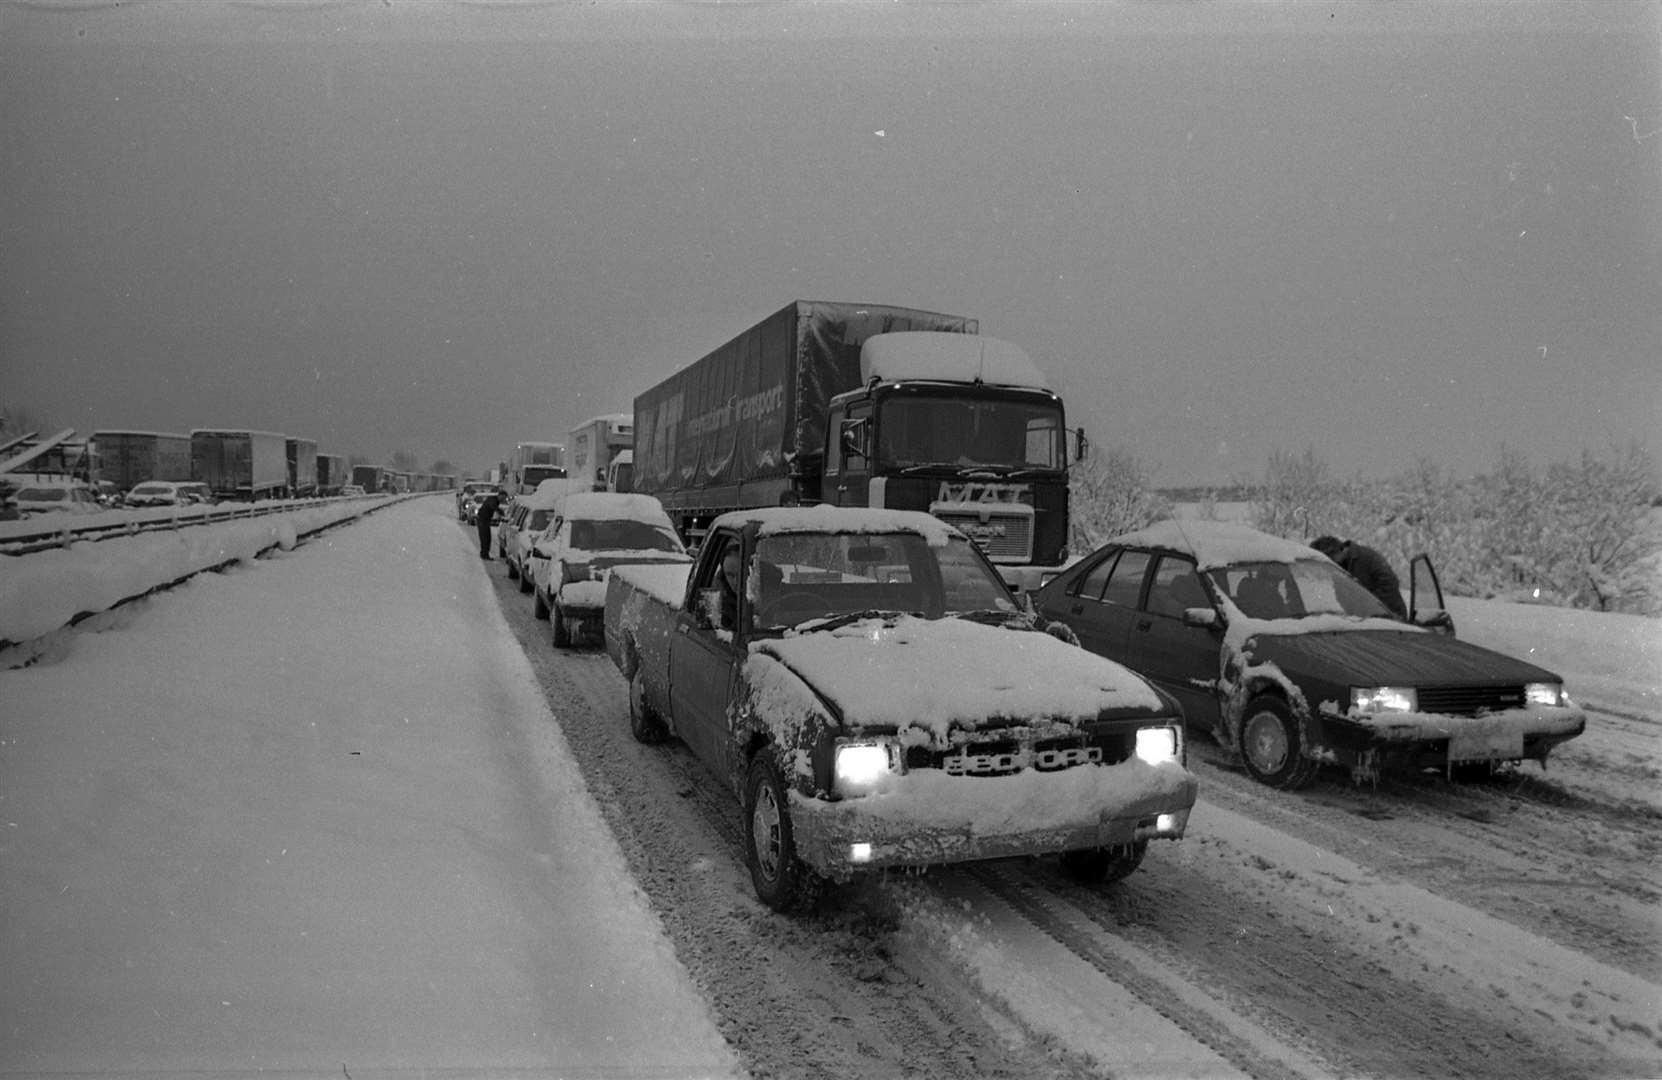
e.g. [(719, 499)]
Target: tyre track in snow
[(838, 994)]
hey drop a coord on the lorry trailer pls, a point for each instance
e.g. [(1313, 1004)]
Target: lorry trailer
[(302, 459), (127, 458), (240, 464), (333, 473), (865, 405)]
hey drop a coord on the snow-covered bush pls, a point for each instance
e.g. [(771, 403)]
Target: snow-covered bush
[(1109, 494)]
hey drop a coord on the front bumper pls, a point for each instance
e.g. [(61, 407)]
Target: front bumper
[(1437, 740), (928, 819)]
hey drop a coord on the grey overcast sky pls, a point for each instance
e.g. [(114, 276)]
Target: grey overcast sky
[(1381, 231)]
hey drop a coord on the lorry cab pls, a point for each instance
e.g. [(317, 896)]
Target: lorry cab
[(963, 427)]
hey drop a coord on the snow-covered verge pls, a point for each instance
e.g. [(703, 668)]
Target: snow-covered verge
[(45, 590)]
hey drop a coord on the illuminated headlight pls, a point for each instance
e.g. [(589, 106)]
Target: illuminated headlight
[(1545, 693), (1377, 699), (861, 767), (1158, 744)]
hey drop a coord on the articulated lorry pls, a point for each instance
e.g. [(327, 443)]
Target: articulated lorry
[(240, 464), (126, 458), (866, 405), (302, 458), (595, 444)]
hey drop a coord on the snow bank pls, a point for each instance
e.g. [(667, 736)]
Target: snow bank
[(45, 590)]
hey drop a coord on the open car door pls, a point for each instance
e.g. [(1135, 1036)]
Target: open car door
[(1425, 597)]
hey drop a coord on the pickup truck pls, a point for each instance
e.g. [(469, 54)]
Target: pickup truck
[(868, 686)]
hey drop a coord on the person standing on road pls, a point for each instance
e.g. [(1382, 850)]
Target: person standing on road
[(1370, 569), (484, 519)]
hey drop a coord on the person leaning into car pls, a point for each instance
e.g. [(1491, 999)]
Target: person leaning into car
[(1370, 569)]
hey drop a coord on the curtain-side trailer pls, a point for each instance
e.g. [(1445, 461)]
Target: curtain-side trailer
[(126, 458), (332, 473)]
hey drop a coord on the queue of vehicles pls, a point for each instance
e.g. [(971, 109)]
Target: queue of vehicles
[(844, 587)]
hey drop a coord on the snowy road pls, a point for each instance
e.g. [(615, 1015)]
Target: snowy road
[(374, 824)]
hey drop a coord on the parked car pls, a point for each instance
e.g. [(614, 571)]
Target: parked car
[(352, 489), (73, 497), (592, 532), (1290, 662), (159, 493), (525, 520)]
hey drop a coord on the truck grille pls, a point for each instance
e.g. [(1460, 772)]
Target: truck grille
[(1001, 536), (1469, 700), (1005, 757)]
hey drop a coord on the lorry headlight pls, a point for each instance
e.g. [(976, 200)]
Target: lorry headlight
[(1158, 744), (1377, 699), (860, 767), (1545, 693)]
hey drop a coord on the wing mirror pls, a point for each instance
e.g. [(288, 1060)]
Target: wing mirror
[(1204, 618)]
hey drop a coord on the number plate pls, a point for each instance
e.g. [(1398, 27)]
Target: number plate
[(1486, 745)]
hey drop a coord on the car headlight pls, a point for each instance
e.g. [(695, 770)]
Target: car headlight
[(1159, 744), (858, 768), (1545, 693), (1377, 699)]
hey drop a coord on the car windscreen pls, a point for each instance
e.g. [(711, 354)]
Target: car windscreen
[(800, 574), (1274, 590), (622, 534)]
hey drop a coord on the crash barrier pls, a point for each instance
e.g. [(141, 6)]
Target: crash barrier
[(51, 591), (27, 536)]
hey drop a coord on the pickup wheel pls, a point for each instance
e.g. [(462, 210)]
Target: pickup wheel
[(1271, 747), (562, 633), (644, 722), (1104, 865), (539, 606), (782, 881)]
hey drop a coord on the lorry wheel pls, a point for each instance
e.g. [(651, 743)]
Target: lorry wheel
[(1271, 747), (539, 607), (562, 632), (1104, 865), (782, 881), (644, 722)]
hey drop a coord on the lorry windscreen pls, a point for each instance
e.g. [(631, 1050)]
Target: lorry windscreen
[(961, 430)]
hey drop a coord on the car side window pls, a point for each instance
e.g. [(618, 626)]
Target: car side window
[(1126, 582), (1090, 586), (1175, 587)]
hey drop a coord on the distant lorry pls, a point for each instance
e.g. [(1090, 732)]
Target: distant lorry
[(302, 458), (333, 473), (240, 464), (534, 462), (875, 697), (128, 458), (620, 473), (866, 405), (594, 444), (367, 477)]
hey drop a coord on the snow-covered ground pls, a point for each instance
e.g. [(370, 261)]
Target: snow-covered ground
[(314, 813)]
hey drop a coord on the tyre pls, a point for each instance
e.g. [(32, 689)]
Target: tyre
[(525, 582), (513, 572), (644, 722), (1105, 865), (539, 606), (1272, 748), (562, 633), (782, 881)]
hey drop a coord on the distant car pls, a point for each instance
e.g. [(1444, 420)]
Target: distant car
[(159, 493), (352, 489), (198, 492), (1289, 661), (35, 499), (592, 532), (469, 496)]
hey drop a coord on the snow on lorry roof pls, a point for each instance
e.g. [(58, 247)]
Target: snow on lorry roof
[(947, 357), (1218, 543)]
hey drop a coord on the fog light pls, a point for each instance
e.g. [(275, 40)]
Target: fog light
[(859, 853)]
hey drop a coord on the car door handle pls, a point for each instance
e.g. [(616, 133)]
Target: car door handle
[(1144, 624), (1076, 609)]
